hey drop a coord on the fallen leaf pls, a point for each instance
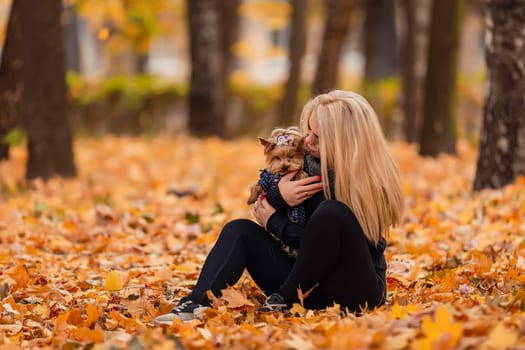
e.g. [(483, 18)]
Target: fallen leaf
[(113, 281)]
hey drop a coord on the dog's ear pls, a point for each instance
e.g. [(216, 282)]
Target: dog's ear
[(299, 142), (267, 143)]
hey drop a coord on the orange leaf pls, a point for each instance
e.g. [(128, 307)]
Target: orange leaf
[(95, 335), (501, 337), (93, 313), (19, 274), (235, 299)]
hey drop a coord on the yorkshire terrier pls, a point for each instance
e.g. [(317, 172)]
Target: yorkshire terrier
[(284, 151)]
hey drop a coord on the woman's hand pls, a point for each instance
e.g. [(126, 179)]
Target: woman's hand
[(262, 210), (296, 192)]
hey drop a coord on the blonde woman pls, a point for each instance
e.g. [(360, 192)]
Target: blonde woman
[(351, 201)]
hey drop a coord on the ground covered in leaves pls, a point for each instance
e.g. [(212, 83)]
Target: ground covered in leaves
[(89, 262)]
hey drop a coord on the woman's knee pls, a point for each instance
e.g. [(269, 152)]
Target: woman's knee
[(238, 227)]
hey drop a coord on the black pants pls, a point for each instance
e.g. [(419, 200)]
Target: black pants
[(334, 259)]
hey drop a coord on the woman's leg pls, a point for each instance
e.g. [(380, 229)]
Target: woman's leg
[(242, 244), (334, 259)]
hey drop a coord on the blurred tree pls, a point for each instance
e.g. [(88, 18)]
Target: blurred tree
[(409, 77), (206, 105), (336, 28), (296, 49), (71, 44), (10, 86), (413, 60), (35, 69), (380, 51), (380, 41), (502, 143), (229, 22), (128, 26), (438, 130)]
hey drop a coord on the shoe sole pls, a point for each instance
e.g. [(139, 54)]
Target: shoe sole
[(180, 316)]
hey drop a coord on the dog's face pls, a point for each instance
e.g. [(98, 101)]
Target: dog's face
[(284, 152)]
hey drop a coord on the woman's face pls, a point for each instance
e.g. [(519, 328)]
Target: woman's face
[(312, 138)]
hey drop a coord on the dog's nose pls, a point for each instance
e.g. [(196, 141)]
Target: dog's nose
[(285, 167)]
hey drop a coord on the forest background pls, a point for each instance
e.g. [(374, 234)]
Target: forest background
[(128, 133)]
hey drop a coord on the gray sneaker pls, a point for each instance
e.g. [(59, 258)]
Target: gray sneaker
[(185, 310), (274, 303)]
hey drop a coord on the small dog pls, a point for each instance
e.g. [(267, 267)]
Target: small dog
[(284, 151)]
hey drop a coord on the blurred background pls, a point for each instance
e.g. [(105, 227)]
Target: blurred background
[(129, 61)]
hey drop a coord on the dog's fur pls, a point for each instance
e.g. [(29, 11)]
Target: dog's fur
[(284, 151)]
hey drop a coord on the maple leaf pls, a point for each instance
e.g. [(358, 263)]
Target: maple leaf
[(501, 337), (19, 274), (298, 310), (235, 298), (85, 334), (441, 330), (398, 311)]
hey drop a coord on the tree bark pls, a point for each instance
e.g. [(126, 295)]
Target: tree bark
[(72, 46), (43, 88), (438, 133), (10, 86), (380, 41), (296, 49), (336, 28), (206, 97), (409, 78), (502, 143), (229, 22)]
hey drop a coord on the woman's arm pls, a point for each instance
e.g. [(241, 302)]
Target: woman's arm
[(290, 193), (278, 223)]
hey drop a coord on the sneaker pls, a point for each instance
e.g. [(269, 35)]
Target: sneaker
[(274, 303), (185, 310)]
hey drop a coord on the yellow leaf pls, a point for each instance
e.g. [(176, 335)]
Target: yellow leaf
[(113, 281), (397, 311), (500, 337), (103, 34), (443, 330)]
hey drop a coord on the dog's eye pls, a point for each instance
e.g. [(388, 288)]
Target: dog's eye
[(278, 159)]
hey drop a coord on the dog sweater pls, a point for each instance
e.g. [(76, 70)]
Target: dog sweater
[(268, 181)]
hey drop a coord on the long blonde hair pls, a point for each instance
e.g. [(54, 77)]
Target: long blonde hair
[(352, 144)]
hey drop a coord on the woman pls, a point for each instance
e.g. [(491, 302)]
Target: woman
[(349, 208)]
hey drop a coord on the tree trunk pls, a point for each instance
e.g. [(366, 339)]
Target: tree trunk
[(380, 41), (206, 98), (141, 62), (502, 142), (10, 86), (409, 76), (42, 78), (337, 24), (296, 49), (438, 134), (72, 47), (229, 22)]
